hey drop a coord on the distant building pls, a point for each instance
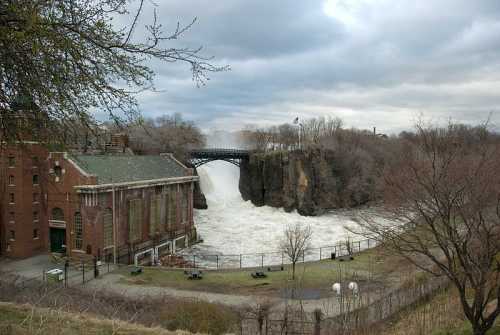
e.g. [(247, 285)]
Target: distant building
[(111, 206)]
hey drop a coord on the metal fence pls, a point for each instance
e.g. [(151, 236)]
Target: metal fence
[(271, 259), (266, 326), (69, 274), (352, 314), (362, 316)]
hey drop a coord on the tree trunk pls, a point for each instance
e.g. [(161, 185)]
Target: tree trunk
[(478, 330), (293, 271)]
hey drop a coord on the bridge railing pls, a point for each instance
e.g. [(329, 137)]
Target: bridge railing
[(219, 151)]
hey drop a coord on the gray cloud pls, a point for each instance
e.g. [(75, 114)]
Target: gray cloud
[(376, 63)]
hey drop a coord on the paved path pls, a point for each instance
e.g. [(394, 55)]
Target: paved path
[(33, 268), (111, 283)]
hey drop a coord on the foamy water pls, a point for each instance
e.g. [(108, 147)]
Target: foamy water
[(231, 226)]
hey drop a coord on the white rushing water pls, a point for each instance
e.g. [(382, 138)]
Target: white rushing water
[(231, 226)]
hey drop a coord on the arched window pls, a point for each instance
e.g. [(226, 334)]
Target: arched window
[(35, 179), (11, 180), (107, 224), (78, 228), (57, 214)]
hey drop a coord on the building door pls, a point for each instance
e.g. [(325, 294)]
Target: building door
[(57, 239)]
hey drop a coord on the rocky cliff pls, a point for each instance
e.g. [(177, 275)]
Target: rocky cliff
[(199, 200), (311, 182)]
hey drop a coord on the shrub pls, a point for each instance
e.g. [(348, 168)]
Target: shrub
[(198, 317)]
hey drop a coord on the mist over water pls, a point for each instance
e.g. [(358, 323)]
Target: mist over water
[(233, 226)]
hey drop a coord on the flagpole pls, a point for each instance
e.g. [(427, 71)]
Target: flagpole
[(300, 147)]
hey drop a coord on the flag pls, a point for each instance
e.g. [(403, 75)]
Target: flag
[(296, 120)]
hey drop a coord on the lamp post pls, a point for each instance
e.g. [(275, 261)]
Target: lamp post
[(297, 122)]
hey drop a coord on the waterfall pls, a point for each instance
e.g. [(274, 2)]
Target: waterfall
[(231, 225)]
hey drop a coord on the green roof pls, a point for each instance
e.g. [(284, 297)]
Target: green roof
[(129, 168)]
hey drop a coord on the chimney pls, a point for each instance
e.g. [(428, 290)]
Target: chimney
[(119, 142)]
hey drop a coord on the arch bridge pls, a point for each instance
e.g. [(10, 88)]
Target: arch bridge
[(199, 157)]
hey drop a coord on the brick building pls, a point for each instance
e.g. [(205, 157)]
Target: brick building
[(113, 207), (23, 221)]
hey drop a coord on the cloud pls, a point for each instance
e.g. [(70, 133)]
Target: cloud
[(371, 62)]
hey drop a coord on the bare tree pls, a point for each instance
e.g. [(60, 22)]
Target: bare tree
[(295, 243), (61, 60), (444, 192), (167, 133)]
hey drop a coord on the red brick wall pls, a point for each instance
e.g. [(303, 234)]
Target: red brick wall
[(59, 192), (22, 222), (93, 218)]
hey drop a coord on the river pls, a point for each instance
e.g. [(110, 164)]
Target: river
[(232, 226)]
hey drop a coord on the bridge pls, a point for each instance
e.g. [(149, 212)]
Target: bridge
[(199, 157)]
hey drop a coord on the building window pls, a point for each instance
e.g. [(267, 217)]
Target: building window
[(78, 225), (103, 199), (35, 233), (12, 236), (171, 207), (135, 219), (36, 197), (35, 179), (155, 215), (35, 216), (58, 171), (57, 214), (12, 161), (185, 203), (12, 216), (12, 198), (34, 161), (107, 223), (158, 189), (11, 180)]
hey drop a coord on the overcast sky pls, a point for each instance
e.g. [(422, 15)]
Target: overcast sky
[(371, 62)]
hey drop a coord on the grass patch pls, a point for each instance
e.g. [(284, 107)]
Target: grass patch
[(441, 315), (24, 320), (199, 317), (367, 268), (466, 330)]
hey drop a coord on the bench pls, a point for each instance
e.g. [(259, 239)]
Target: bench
[(275, 268), (136, 271), (258, 274), (345, 258), (195, 274)]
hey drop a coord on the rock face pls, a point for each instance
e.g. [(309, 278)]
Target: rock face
[(199, 200), (309, 181)]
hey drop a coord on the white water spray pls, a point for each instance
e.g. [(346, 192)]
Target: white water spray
[(233, 226)]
